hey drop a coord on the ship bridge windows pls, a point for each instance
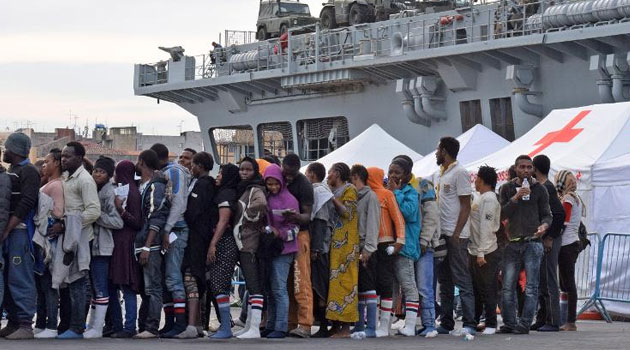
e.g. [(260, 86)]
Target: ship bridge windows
[(276, 139), (318, 137), (470, 112), (502, 121), (232, 143)]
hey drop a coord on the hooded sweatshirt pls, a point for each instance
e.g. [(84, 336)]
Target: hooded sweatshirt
[(392, 223), (178, 179), (369, 211), (407, 198), (284, 200)]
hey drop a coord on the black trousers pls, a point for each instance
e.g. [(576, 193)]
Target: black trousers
[(548, 291), (379, 273), (251, 272), (566, 264), (485, 285)]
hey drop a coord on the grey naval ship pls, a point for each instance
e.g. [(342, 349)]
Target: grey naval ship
[(422, 73)]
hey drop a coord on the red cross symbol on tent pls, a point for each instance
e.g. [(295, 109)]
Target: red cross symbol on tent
[(566, 134)]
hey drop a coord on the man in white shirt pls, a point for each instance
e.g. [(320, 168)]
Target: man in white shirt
[(485, 220), (454, 196)]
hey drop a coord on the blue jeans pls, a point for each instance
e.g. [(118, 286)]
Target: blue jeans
[(173, 277), (77, 304), (51, 301), (99, 274), (1, 283), (424, 278), (454, 271), (528, 254), (131, 312), (151, 307), (278, 309), (21, 295)]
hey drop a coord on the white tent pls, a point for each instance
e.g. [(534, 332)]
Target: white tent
[(373, 147), (474, 144), (593, 143)]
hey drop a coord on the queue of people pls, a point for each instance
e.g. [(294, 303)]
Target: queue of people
[(348, 249)]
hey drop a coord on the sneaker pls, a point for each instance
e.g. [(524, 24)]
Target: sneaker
[(38, 330), (266, 332), (427, 330), (123, 335), (505, 330), (442, 330), (70, 334), (189, 333), (399, 324), (489, 331), (46, 334), (520, 330), (276, 335), (536, 325), (6, 331), (145, 335), (301, 332), (549, 328), (462, 332), (481, 326), (20, 334), (431, 334)]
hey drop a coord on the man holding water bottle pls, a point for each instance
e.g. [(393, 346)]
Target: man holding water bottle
[(525, 204)]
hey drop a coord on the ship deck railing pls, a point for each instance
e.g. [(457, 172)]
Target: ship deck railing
[(331, 49)]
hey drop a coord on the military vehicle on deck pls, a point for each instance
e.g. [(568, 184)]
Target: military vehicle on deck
[(275, 17), (351, 12)]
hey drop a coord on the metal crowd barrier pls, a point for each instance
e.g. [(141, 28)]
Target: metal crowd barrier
[(612, 255), (586, 268)]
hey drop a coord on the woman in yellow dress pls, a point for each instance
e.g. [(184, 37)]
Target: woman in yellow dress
[(342, 307)]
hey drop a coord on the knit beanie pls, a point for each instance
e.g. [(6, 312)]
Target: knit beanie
[(107, 164), (18, 143)]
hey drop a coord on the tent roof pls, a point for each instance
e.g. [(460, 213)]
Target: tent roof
[(372, 148), (575, 139), (475, 143)]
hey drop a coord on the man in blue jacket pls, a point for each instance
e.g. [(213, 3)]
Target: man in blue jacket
[(155, 209), (178, 179)]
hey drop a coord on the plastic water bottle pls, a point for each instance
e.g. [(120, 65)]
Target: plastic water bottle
[(525, 185)]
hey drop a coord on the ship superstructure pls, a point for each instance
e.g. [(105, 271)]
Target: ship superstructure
[(420, 76)]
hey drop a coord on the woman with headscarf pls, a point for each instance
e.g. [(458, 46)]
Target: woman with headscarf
[(343, 292), (249, 219), (123, 275), (202, 215), (566, 184), (279, 201), (222, 253)]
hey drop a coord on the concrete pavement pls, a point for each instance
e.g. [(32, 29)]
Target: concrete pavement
[(591, 335)]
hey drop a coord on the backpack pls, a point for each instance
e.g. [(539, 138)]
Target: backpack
[(583, 242)]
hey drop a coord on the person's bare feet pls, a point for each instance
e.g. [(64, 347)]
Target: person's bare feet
[(568, 327)]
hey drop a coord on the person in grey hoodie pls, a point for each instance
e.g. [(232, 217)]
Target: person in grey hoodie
[(178, 179), (102, 245), (369, 212), (5, 204)]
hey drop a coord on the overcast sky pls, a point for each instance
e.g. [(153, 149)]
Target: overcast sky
[(71, 59)]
